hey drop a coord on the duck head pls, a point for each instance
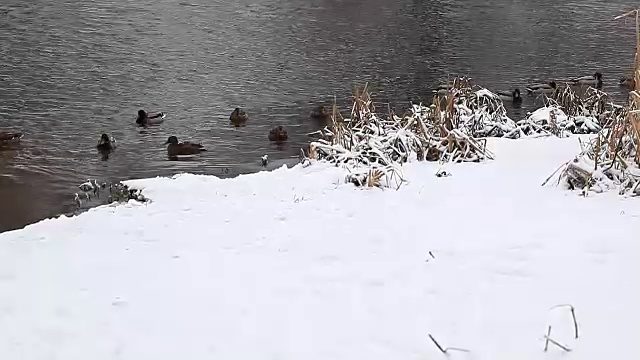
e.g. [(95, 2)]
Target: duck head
[(516, 94), (142, 114), (319, 111), (597, 75), (552, 84), (171, 140), (104, 139)]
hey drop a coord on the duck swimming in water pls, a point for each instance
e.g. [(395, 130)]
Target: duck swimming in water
[(547, 88), (629, 83), (594, 80), (513, 96), (238, 117), (278, 134), (144, 119), (9, 137), (442, 89), (176, 148), (320, 113), (106, 143)]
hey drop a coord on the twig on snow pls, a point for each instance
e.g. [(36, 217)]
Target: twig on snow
[(546, 343), (573, 316), (557, 344), (445, 351)]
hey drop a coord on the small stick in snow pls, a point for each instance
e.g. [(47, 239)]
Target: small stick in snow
[(430, 253), (444, 351), (546, 343), (575, 322), (438, 345), (558, 169), (557, 344), (573, 316)]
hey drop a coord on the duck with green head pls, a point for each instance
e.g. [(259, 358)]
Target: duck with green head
[(512, 96), (594, 80), (547, 88), (176, 148), (144, 119)]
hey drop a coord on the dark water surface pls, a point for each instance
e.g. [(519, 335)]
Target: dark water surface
[(70, 70)]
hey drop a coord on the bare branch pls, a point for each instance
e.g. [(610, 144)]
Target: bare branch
[(563, 347), (546, 343), (573, 316), (445, 351), (438, 345)]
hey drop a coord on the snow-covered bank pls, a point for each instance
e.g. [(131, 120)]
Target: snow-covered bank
[(294, 264)]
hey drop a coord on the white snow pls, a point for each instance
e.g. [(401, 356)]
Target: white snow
[(295, 264), (543, 115), (485, 92)]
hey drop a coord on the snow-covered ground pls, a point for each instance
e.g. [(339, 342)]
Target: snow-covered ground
[(295, 264)]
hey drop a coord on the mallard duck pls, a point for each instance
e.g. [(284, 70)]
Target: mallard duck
[(144, 119), (176, 148), (9, 137), (442, 89), (238, 117), (627, 82), (106, 143), (591, 80), (513, 96), (278, 134), (319, 113), (547, 88)]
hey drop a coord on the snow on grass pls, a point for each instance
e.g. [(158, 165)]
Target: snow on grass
[(295, 264)]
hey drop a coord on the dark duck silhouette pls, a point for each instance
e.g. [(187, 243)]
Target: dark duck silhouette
[(594, 80), (9, 137), (106, 143), (176, 148), (320, 113), (144, 119), (627, 82), (278, 134), (513, 96), (238, 117), (547, 88)]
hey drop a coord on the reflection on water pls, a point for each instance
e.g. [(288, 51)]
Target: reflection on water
[(70, 71)]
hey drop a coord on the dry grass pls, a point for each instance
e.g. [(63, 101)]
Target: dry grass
[(373, 147), (612, 158)]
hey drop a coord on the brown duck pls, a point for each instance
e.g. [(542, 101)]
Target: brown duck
[(627, 82), (8, 137), (278, 134), (238, 117), (320, 113), (176, 148)]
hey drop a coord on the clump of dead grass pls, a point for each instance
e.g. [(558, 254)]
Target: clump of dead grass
[(373, 146), (611, 159)]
